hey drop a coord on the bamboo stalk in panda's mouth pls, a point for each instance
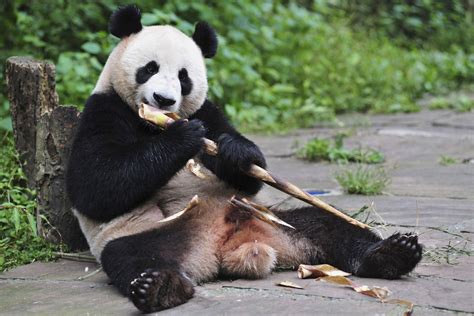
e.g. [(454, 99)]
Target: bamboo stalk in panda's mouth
[(163, 120)]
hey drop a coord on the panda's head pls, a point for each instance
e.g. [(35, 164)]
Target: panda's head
[(158, 64)]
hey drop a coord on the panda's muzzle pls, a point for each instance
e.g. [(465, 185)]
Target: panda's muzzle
[(163, 101)]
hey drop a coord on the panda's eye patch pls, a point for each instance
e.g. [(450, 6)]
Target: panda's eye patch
[(152, 68), (146, 72), (185, 81)]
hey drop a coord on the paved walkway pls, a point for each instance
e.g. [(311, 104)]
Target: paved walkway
[(435, 201)]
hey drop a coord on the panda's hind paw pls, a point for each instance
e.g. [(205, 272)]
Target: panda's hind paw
[(155, 290), (391, 258)]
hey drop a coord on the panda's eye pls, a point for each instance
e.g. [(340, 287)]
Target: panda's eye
[(152, 68), (145, 72), (185, 81), (183, 74)]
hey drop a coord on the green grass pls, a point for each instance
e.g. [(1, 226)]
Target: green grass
[(319, 149), (20, 242), (458, 104), (448, 254), (447, 160), (363, 180)]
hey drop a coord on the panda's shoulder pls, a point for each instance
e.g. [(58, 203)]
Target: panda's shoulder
[(107, 111), (105, 102), (108, 106)]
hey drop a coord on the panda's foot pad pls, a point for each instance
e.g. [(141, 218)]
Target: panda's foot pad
[(155, 290), (391, 258)]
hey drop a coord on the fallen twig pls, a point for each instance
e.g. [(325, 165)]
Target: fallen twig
[(75, 257), (90, 274)]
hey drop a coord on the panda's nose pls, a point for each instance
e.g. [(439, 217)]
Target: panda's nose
[(162, 101)]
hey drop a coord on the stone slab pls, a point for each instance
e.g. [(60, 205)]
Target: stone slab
[(456, 120), (23, 292), (434, 201)]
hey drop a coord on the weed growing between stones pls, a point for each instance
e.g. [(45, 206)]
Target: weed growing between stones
[(447, 160), (319, 149), (448, 253), (363, 180)]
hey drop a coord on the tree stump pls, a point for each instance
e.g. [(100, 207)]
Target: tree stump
[(43, 132)]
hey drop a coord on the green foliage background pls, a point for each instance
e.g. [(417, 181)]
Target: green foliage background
[(281, 64)]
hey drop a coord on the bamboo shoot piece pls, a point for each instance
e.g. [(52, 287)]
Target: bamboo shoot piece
[(164, 120), (191, 204)]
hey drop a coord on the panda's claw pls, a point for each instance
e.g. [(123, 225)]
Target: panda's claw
[(391, 258), (158, 290)]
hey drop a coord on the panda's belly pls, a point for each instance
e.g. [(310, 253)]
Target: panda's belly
[(168, 200), (174, 196)]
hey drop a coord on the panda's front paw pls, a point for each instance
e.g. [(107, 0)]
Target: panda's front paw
[(187, 136), (236, 155), (155, 290), (391, 258)]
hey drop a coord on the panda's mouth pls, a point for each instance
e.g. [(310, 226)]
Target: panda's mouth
[(162, 109), (153, 108)]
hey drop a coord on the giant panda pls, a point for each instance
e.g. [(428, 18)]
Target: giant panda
[(125, 176)]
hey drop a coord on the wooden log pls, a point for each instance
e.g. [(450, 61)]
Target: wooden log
[(43, 132), (31, 91)]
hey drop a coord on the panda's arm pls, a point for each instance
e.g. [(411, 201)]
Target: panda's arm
[(115, 164), (236, 153)]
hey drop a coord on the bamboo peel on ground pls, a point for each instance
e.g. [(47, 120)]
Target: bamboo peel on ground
[(164, 119), (329, 274)]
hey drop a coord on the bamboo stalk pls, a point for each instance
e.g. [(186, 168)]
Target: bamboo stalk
[(291, 189), (255, 171)]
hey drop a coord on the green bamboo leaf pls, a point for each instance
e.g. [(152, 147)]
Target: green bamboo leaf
[(32, 222)]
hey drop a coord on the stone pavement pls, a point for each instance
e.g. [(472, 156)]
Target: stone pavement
[(435, 201)]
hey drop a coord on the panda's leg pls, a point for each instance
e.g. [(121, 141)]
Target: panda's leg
[(151, 267), (353, 249)]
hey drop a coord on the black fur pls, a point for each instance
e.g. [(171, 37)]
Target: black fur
[(206, 38), (185, 81), (236, 153), (390, 258), (350, 248), (156, 290), (146, 267), (146, 72), (118, 160), (125, 21)]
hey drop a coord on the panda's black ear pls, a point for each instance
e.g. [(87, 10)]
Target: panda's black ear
[(125, 21), (206, 38)]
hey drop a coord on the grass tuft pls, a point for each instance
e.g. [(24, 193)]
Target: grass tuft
[(447, 160), (363, 180), (319, 149), (458, 104)]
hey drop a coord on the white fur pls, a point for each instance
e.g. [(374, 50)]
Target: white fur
[(172, 50), (168, 200)]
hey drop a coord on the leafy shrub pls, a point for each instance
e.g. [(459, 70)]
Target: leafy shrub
[(426, 23), (279, 66), (19, 239)]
